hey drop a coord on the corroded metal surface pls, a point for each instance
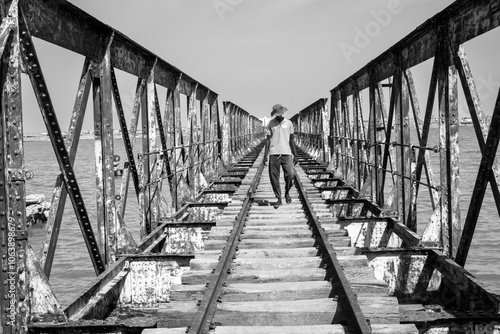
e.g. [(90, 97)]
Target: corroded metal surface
[(186, 166), (385, 155)]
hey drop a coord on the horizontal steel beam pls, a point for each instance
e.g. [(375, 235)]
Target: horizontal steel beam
[(465, 20), (62, 23)]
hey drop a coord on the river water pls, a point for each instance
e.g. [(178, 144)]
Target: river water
[(72, 269)]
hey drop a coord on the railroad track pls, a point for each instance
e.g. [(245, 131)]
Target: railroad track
[(285, 270)]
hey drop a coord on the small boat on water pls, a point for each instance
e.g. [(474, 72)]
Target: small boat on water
[(466, 120)]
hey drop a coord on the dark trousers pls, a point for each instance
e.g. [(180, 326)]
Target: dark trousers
[(286, 162)]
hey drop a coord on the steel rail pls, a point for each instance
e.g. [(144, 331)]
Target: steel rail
[(202, 321), (355, 317)]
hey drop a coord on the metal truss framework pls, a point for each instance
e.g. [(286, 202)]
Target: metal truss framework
[(176, 160), (387, 158)]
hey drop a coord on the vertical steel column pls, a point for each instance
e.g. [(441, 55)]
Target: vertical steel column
[(145, 161), (335, 101), (401, 126), (342, 133), (324, 130), (105, 180), (357, 129), (226, 133), (163, 165), (191, 128), (372, 140), (174, 97), (129, 167), (155, 166), (448, 135), (348, 142), (363, 144), (379, 127), (214, 135), (206, 146), (406, 151), (13, 230)]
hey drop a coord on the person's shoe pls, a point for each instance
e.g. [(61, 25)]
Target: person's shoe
[(277, 204), (288, 199)]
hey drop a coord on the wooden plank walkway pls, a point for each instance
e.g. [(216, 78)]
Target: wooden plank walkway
[(277, 283)]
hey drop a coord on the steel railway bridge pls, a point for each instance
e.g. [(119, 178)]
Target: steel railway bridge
[(214, 256)]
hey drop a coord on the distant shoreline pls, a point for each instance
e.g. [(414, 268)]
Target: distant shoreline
[(47, 138)]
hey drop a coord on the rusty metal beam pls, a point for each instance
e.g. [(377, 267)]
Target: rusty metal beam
[(62, 23), (55, 134), (477, 116), (129, 168), (483, 176), (448, 141), (60, 194), (14, 308), (466, 20), (105, 178)]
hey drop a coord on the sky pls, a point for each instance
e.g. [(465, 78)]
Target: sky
[(254, 53)]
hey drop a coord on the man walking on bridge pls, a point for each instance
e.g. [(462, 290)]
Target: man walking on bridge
[(279, 146)]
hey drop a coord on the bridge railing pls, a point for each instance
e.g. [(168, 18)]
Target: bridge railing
[(178, 151), (381, 145)]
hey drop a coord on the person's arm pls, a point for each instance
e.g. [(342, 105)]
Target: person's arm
[(292, 146), (266, 152)]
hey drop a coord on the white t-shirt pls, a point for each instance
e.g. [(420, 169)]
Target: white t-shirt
[(280, 136)]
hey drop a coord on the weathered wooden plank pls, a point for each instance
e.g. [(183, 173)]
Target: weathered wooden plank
[(303, 312), (311, 329), (280, 313), (465, 283)]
